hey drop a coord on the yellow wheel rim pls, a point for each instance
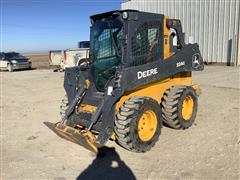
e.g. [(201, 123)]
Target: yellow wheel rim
[(187, 108), (147, 125)]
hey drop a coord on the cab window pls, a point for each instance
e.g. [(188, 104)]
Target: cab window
[(146, 45)]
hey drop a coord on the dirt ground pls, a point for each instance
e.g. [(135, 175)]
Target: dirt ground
[(29, 150), (39, 61)]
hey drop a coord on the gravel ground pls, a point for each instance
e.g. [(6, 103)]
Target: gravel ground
[(29, 150), (39, 61)]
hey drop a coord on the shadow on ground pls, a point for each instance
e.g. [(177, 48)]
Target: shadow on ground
[(107, 165)]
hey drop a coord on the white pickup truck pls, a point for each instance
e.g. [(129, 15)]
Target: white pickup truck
[(69, 57)]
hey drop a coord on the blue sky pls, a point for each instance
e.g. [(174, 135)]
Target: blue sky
[(42, 25)]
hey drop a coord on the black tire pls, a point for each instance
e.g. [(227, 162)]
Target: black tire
[(172, 104), (10, 67), (63, 106), (126, 123)]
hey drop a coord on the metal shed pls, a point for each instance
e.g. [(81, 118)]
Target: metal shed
[(213, 24)]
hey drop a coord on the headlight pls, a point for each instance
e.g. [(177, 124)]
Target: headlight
[(124, 15), (14, 61)]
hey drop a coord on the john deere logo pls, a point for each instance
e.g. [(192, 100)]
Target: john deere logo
[(196, 61), (143, 74)]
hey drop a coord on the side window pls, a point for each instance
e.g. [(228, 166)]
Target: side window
[(139, 43), (153, 42), (152, 35), (147, 44)]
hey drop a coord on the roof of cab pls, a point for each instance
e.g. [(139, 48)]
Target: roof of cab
[(106, 14)]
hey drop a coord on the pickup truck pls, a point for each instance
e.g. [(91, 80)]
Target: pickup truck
[(69, 57), (55, 57), (12, 60)]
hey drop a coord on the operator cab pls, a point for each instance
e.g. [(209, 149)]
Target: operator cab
[(114, 43)]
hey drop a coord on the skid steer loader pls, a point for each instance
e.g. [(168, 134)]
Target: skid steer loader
[(136, 80)]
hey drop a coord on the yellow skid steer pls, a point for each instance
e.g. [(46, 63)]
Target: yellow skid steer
[(139, 76)]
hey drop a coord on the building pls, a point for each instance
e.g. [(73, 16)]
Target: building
[(213, 24)]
